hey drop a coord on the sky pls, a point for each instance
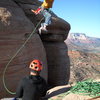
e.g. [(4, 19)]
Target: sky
[(83, 15)]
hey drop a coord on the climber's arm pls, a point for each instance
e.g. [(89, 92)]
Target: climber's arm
[(36, 11)]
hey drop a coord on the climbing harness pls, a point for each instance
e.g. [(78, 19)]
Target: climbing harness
[(4, 72)]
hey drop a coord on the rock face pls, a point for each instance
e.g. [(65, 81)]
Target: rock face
[(14, 27), (16, 24), (58, 63)]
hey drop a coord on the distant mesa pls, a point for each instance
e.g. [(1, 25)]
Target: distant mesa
[(80, 36), (79, 41)]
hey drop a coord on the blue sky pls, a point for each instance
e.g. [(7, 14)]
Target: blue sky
[(83, 15)]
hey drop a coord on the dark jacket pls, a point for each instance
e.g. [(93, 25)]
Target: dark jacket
[(31, 88)]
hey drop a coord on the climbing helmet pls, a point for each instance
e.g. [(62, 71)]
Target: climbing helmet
[(36, 65)]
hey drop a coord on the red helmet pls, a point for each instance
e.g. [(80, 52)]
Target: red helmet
[(36, 65)]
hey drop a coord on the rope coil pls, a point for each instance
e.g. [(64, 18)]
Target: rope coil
[(86, 88)]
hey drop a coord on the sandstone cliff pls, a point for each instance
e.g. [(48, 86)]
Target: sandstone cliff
[(16, 24)]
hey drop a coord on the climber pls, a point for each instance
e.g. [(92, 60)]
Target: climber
[(32, 87), (44, 9)]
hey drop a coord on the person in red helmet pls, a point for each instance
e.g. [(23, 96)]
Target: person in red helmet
[(32, 87)]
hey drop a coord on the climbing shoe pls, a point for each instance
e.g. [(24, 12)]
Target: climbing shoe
[(42, 28)]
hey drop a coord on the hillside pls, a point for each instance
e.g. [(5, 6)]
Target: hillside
[(84, 53), (84, 65)]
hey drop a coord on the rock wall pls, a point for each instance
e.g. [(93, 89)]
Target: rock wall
[(16, 24), (14, 30), (56, 49), (58, 63)]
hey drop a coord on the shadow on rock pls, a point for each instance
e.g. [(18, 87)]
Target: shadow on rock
[(56, 91)]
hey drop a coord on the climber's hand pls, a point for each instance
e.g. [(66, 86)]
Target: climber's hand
[(36, 11)]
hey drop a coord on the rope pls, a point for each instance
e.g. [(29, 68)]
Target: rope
[(87, 87), (4, 72)]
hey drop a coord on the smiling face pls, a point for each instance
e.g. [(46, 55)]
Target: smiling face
[(36, 65)]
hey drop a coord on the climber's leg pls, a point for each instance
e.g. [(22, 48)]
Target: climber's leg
[(43, 27), (47, 16)]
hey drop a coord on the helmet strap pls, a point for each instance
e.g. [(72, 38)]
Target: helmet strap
[(36, 72)]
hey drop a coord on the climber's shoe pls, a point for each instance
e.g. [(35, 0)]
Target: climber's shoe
[(42, 28)]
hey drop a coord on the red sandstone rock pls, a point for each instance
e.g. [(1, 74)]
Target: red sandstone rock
[(16, 23), (13, 28), (58, 63)]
